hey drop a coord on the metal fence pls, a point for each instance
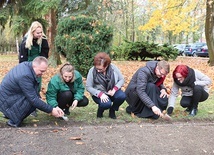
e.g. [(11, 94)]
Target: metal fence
[(8, 48)]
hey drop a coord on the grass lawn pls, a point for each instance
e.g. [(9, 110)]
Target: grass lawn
[(87, 115)]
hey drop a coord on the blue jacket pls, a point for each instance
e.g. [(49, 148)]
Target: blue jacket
[(19, 93)]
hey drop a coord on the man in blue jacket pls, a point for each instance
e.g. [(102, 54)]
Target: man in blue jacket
[(19, 92)]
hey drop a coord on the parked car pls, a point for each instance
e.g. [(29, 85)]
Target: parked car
[(191, 49), (180, 48), (202, 52)]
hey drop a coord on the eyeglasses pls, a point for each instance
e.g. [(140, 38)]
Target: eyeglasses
[(99, 70), (161, 72)]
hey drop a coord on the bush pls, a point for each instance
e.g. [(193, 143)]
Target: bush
[(135, 50), (80, 38)]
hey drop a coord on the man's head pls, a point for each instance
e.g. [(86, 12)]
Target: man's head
[(162, 69), (40, 65)]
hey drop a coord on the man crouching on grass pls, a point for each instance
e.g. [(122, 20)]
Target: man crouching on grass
[(19, 95)]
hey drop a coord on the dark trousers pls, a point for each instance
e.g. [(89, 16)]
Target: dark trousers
[(66, 98), (141, 110), (199, 95), (114, 101)]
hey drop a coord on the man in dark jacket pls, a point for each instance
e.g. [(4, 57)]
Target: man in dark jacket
[(146, 94), (19, 92)]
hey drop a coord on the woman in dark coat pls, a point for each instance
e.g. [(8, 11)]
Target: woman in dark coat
[(34, 43), (146, 94)]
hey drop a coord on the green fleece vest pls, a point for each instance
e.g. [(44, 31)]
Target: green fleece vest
[(34, 52)]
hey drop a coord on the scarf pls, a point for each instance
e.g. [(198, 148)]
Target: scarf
[(160, 81), (107, 81), (189, 80)]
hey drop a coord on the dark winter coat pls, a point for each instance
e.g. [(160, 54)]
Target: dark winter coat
[(19, 93), (137, 87), (37, 50)]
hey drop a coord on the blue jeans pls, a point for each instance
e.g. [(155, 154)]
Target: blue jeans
[(118, 98)]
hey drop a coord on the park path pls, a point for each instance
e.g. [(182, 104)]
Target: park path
[(120, 139)]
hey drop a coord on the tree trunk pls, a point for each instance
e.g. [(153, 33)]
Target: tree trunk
[(54, 57), (209, 30)]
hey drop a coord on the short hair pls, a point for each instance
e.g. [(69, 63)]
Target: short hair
[(164, 65), (102, 58), (182, 69), (38, 60)]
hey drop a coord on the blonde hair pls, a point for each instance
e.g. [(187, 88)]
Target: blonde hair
[(29, 35), (67, 67)]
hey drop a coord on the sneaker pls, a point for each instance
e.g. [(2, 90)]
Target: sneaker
[(34, 114), (65, 118), (11, 124)]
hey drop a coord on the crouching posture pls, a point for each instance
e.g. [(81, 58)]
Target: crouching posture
[(146, 94), (66, 89), (194, 89), (19, 95), (104, 82)]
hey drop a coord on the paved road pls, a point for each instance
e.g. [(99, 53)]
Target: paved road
[(120, 139)]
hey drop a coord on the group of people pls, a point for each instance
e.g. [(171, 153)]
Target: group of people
[(145, 94)]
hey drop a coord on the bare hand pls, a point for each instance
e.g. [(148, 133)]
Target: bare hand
[(104, 98), (74, 104), (157, 111), (57, 112), (163, 93), (111, 92)]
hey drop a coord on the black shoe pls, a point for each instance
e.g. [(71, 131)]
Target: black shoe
[(187, 109), (129, 110), (112, 113), (100, 113), (193, 112), (5, 116), (11, 124), (170, 110), (66, 111)]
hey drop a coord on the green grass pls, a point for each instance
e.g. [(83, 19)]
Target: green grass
[(87, 115), (9, 57)]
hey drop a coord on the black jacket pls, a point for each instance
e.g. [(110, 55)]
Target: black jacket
[(136, 89), (23, 52)]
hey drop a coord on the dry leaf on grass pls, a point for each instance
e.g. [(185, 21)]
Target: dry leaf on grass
[(133, 115)]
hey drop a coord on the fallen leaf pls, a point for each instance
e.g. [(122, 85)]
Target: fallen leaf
[(75, 138), (35, 120), (133, 115), (79, 143)]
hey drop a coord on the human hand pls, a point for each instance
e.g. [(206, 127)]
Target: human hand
[(57, 112), (111, 92), (74, 104), (104, 98), (163, 93), (157, 111)]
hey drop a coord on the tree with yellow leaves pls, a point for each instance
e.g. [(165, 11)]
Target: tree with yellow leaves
[(173, 17)]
